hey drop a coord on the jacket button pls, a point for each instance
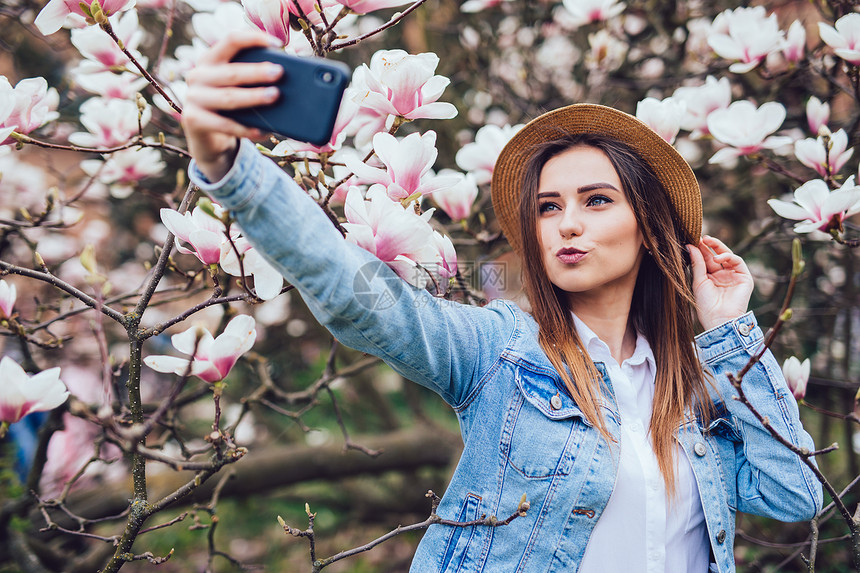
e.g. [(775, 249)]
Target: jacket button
[(555, 402), (721, 536), (744, 329), (699, 448)]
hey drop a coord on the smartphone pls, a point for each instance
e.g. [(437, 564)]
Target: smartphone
[(311, 90)]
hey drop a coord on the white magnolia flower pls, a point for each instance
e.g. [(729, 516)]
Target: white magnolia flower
[(746, 129), (747, 35), (844, 38), (663, 116), (817, 208), (826, 155), (702, 101)]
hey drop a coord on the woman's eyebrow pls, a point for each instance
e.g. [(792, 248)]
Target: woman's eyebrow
[(593, 186)]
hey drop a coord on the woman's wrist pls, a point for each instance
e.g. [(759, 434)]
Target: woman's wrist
[(219, 165)]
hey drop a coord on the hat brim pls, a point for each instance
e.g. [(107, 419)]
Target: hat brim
[(671, 169)]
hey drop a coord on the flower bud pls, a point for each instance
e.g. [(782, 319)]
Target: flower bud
[(796, 375)]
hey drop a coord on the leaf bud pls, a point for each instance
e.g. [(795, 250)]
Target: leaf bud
[(88, 258)]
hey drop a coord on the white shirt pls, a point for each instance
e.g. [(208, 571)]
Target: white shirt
[(639, 531)]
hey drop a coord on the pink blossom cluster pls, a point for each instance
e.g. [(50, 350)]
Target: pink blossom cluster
[(211, 358), (21, 393), (818, 208), (400, 237), (206, 237), (25, 107)]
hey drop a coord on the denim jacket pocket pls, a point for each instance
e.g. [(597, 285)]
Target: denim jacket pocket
[(460, 537), (722, 436), (541, 430)]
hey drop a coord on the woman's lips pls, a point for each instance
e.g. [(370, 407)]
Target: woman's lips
[(570, 256)]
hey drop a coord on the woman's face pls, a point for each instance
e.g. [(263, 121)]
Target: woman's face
[(589, 237)]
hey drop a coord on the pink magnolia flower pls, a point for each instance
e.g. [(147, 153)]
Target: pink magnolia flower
[(583, 12), (267, 280), (365, 6), (395, 234), (101, 53), (407, 163), (444, 266), (825, 156), (817, 114), (845, 38), (746, 129), (479, 157), (404, 85), (110, 85), (202, 232), (27, 106), (472, 6), (271, 16), (52, 17), (366, 122), (663, 116), (457, 200), (747, 35), (794, 45), (8, 294), (122, 169), (796, 375), (701, 102), (110, 122), (817, 207), (214, 357), (21, 393)]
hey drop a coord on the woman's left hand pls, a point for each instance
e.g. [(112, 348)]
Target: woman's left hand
[(722, 283)]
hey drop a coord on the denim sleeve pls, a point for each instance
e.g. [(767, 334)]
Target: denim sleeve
[(440, 344), (771, 480)]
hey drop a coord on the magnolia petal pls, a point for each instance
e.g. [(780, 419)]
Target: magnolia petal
[(243, 327), (435, 110), (267, 280), (206, 371), (207, 246), (52, 17), (167, 364), (725, 47), (830, 36), (743, 67), (186, 341), (788, 210), (724, 154)]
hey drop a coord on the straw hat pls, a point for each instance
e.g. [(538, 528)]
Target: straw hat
[(671, 169)]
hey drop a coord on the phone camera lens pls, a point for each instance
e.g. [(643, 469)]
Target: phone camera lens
[(327, 77)]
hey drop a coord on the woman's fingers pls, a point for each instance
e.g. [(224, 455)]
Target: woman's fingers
[(234, 74), (230, 97), (217, 123)]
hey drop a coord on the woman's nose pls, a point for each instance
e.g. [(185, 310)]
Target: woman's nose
[(570, 224)]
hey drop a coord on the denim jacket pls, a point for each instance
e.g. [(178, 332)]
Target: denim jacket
[(487, 364)]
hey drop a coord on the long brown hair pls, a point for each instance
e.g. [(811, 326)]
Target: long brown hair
[(661, 310)]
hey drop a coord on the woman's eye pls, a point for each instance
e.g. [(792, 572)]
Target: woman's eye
[(544, 207), (595, 200)]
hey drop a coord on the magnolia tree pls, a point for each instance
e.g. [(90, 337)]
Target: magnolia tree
[(173, 366)]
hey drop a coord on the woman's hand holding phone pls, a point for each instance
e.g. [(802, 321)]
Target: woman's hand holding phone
[(216, 84)]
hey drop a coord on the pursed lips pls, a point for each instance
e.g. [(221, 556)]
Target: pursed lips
[(569, 255)]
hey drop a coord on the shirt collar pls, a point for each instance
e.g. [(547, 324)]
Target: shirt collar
[(599, 350)]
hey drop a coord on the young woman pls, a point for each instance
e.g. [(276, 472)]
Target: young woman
[(594, 403)]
